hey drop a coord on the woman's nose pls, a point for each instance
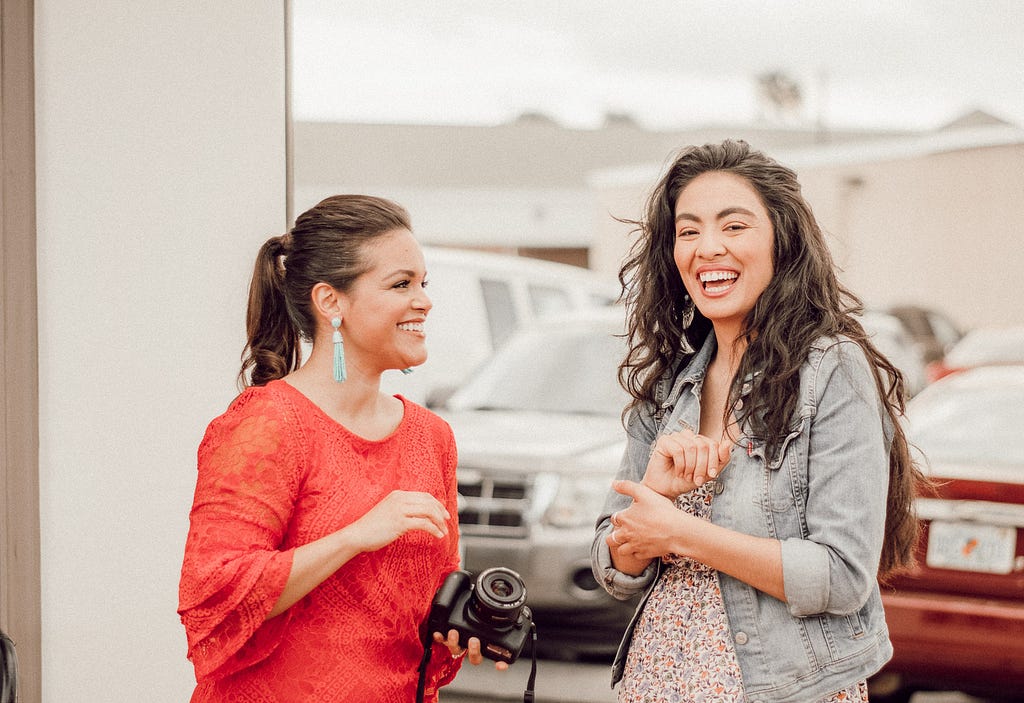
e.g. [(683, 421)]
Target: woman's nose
[(710, 245), (422, 301)]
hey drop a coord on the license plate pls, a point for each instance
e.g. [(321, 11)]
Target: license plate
[(968, 546)]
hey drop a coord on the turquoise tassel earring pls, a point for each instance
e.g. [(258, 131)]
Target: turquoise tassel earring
[(339, 352)]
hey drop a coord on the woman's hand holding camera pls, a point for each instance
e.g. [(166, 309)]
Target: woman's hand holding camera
[(682, 461), (398, 513), (472, 649)]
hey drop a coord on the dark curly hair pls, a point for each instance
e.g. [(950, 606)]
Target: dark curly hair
[(803, 302)]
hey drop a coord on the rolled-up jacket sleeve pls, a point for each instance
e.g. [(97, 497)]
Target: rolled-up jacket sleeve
[(640, 433), (834, 568)]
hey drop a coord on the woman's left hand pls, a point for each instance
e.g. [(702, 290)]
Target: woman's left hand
[(472, 649), (642, 531), (682, 461)]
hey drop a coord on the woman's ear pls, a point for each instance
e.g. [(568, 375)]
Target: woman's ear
[(327, 301)]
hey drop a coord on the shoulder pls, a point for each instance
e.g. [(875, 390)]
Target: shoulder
[(429, 437), (837, 363), (271, 400), (258, 412), (421, 419), (832, 352)]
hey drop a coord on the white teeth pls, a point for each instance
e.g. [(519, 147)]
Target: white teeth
[(411, 326), (708, 276)]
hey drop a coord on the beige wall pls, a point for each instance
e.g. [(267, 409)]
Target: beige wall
[(940, 230), (938, 227), (161, 168)]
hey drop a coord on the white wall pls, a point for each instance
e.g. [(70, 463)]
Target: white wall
[(479, 217), (161, 168)]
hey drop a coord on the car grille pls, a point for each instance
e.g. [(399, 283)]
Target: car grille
[(493, 506)]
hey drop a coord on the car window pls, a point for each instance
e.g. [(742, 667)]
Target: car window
[(550, 372), (548, 300), (501, 310), (988, 346), (601, 300)]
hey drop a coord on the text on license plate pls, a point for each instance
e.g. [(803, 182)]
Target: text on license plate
[(969, 546)]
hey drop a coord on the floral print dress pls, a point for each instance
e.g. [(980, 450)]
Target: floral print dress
[(682, 649)]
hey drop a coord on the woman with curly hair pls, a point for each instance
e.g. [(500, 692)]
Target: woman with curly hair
[(767, 483)]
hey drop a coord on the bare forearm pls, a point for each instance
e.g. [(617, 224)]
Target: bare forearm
[(756, 561), (398, 513), (312, 564)]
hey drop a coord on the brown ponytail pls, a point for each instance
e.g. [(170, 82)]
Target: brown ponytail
[(274, 342)]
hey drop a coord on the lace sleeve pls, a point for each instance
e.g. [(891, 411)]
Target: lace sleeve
[(234, 568)]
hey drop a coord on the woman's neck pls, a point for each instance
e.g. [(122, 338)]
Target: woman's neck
[(359, 394), (730, 346)]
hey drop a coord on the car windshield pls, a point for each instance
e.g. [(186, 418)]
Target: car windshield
[(571, 370), (969, 423), (988, 346)]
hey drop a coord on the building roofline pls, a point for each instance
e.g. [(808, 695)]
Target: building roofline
[(888, 148)]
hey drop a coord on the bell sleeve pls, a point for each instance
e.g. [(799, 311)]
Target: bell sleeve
[(235, 566)]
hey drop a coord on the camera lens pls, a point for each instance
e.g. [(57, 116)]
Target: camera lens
[(498, 596)]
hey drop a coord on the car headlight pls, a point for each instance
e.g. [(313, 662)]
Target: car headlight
[(572, 500)]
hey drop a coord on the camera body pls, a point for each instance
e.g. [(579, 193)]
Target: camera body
[(491, 607)]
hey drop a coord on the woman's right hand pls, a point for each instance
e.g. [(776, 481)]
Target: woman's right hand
[(682, 461), (398, 513)]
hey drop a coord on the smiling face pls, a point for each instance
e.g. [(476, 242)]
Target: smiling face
[(384, 311), (723, 247)]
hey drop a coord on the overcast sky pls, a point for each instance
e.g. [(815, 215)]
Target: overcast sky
[(670, 64)]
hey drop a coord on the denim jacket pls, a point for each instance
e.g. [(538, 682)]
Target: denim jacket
[(823, 496)]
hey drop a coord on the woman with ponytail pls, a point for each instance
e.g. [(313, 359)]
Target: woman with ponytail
[(767, 484), (325, 515)]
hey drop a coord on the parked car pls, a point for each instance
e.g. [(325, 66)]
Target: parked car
[(540, 436), (480, 299), (931, 330), (957, 619), (983, 346), (891, 338)]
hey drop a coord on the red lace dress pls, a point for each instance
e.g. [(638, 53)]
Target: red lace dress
[(276, 472)]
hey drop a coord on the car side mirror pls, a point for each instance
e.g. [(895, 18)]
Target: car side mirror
[(437, 397)]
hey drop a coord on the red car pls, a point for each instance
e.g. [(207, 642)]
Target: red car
[(957, 619)]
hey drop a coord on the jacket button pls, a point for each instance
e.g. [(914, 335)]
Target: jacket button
[(741, 638)]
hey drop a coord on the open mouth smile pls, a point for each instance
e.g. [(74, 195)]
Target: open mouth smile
[(715, 282)]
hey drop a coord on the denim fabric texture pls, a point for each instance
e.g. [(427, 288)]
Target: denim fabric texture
[(823, 496)]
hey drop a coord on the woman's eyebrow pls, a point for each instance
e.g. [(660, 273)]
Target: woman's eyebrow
[(724, 213), (405, 273), (735, 211)]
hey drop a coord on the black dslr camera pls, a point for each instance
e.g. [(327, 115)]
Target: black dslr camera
[(491, 607)]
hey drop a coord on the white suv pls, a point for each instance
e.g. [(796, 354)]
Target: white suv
[(540, 436), (480, 299)]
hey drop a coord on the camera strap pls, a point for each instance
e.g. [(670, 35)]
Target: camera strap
[(532, 681), (422, 683)]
